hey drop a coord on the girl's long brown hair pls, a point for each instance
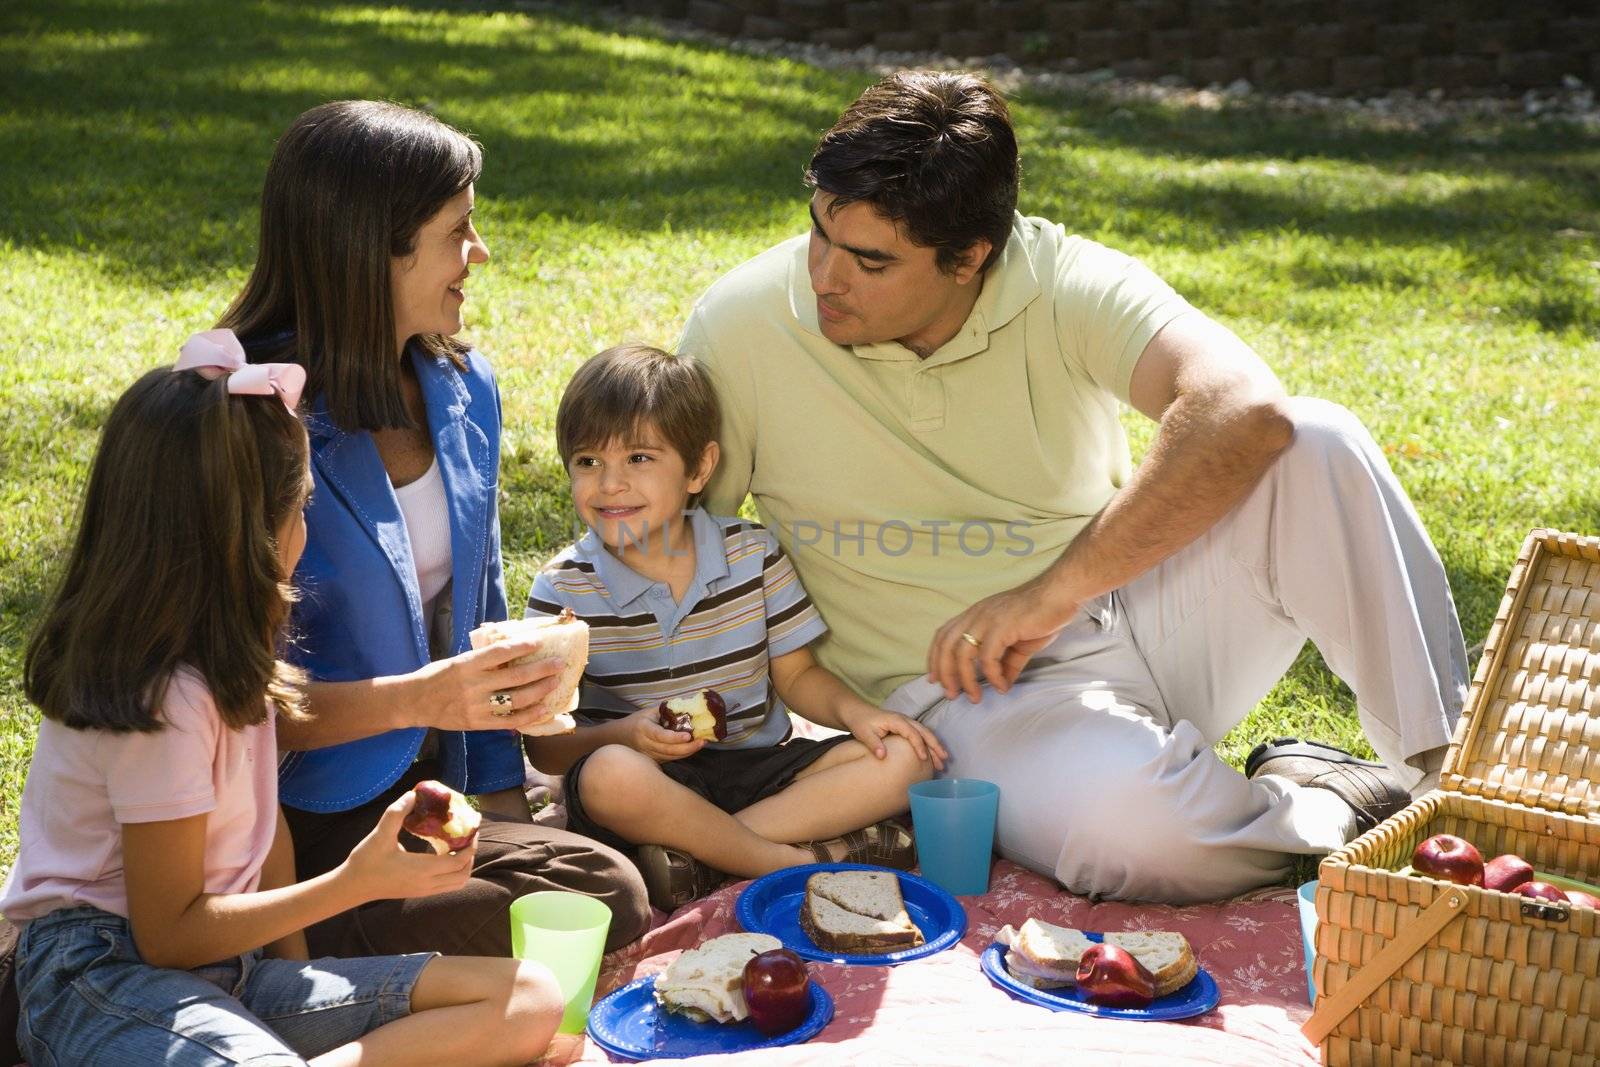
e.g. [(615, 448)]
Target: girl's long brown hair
[(176, 561), (350, 184)]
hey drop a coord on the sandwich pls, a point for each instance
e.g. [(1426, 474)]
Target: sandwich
[(857, 912), (1167, 956), (1046, 956), (564, 636), (1043, 955), (706, 983)]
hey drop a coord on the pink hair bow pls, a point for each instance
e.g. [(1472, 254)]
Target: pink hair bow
[(215, 353)]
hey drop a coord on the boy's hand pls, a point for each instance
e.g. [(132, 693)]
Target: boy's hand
[(871, 725), (646, 734), (380, 869)]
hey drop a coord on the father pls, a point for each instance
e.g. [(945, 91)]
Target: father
[(922, 396)]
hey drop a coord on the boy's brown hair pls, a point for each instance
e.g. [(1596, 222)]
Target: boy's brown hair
[(176, 562), (623, 388)]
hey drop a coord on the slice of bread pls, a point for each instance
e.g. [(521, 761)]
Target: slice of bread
[(857, 912), (1167, 956), (1044, 955), (706, 983), (564, 636)]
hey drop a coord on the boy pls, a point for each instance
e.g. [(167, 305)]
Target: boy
[(678, 601)]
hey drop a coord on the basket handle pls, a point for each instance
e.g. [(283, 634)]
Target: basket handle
[(1407, 942)]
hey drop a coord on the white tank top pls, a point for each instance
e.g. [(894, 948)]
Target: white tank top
[(427, 516)]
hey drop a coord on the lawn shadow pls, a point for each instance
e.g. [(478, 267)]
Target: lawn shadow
[(159, 178)]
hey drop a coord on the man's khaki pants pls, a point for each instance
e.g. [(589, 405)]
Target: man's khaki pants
[(1102, 748)]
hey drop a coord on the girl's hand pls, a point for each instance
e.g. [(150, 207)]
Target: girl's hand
[(871, 725), (380, 869), (459, 693), (646, 734)]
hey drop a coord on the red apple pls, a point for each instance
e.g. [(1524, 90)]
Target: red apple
[(1540, 891), (442, 817), (1583, 900), (1110, 976), (1506, 872), (1449, 857), (777, 990), (703, 715)]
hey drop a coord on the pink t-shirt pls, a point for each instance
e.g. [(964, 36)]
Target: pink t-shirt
[(84, 784)]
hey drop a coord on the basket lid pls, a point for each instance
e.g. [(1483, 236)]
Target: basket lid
[(1530, 733)]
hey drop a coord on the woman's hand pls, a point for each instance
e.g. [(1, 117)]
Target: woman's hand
[(644, 733), (380, 869), (460, 693), (871, 725)]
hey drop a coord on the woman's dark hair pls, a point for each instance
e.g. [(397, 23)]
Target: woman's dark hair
[(176, 561), (349, 186), (930, 150), (616, 392)]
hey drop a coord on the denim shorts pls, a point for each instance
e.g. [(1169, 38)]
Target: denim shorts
[(88, 998)]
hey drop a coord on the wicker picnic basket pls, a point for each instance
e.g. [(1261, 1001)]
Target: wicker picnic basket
[(1420, 972)]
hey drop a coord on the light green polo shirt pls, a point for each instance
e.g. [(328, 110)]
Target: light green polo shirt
[(907, 489)]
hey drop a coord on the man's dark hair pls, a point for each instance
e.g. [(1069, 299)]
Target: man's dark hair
[(930, 150)]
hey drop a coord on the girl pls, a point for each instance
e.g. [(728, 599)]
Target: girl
[(155, 864), (368, 244)]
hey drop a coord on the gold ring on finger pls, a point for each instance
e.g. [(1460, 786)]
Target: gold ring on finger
[(969, 639)]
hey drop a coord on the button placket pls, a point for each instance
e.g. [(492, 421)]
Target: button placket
[(927, 399)]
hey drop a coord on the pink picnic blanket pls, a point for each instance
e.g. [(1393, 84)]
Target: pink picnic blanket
[(943, 1010)]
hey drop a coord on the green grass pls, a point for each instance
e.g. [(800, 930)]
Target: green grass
[(1421, 278)]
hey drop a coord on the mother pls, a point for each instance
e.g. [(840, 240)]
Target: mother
[(367, 241)]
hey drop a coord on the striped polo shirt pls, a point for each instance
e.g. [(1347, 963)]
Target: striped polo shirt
[(745, 606)]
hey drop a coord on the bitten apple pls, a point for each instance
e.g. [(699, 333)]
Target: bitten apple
[(1449, 857), (442, 817), (703, 714), (1506, 872), (1541, 891), (777, 990), (1110, 976)]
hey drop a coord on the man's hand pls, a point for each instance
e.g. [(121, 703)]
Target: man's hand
[(1008, 627), (646, 734), (871, 725)]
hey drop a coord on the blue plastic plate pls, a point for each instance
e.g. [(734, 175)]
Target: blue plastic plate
[(629, 1023), (1196, 998), (771, 905)]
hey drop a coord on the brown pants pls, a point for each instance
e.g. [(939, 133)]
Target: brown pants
[(513, 858)]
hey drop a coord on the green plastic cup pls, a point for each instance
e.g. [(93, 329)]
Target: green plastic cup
[(567, 933)]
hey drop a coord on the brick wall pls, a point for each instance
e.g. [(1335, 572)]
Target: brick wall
[(1340, 46)]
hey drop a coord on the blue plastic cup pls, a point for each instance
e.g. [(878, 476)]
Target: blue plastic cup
[(1308, 934), (954, 823)]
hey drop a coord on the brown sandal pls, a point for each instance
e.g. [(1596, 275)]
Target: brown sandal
[(888, 843)]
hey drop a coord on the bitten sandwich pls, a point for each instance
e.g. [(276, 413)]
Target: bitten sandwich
[(1046, 956), (563, 637), (857, 912), (706, 983)]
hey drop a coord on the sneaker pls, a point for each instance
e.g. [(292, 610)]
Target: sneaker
[(1370, 789), (674, 878), (888, 843)]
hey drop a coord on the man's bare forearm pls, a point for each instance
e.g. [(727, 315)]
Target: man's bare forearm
[(1211, 450)]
